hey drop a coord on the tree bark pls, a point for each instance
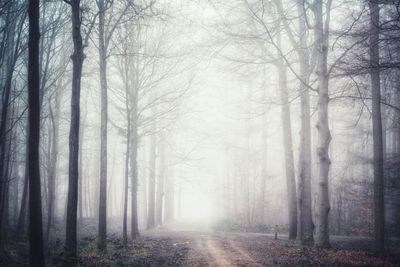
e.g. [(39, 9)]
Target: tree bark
[(305, 224), (134, 177), (36, 252), (127, 156), (102, 229), (324, 136), (152, 183), (77, 63), (288, 150), (379, 224)]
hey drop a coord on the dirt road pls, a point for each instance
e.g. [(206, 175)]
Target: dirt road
[(208, 248), (220, 249), (217, 250)]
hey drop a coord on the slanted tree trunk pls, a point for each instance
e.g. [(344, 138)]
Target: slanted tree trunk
[(36, 252), (379, 224), (77, 63), (324, 135)]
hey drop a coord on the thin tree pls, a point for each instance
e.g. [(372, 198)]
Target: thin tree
[(77, 63)]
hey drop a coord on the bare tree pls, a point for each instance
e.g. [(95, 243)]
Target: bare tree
[(379, 225), (77, 57), (324, 135), (35, 208)]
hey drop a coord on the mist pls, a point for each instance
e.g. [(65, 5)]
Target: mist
[(199, 133)]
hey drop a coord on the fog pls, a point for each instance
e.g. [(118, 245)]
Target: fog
[(153, 118)]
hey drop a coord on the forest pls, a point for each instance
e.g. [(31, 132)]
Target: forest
[(199, 133)]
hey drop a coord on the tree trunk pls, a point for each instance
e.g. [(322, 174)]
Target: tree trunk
[(126, 175), (54, 117), (169, 203), (152, 183), (77, 63), (134, 177), (160, 183), (379, 224), (21, 225), (80, 176), (288, 150), (324, 135), (305, 224), (264, 154), (102, 229), (36, 252)]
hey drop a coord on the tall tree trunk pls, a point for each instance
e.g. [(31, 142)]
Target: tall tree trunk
[(36, 252), (160, 183), (305, 224), (54, 117), (264, 154), (80, 175), (169, 203), (379, 224), (77, 63), (324, 135), (126, 184), (102, 229), (21, 225), (127, 154), (134, 177), (288, 150), (152, 183)]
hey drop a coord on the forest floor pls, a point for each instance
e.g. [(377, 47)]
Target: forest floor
[(164, 247)]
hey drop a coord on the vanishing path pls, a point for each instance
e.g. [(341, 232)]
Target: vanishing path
[(214, 248), (209, 248)]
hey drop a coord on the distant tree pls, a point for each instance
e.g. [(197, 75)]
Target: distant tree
[(379, 224)]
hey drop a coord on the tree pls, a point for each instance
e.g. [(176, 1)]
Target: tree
[(77, 63), (35, 208), (102, 228), (379, 224), (324, 136)]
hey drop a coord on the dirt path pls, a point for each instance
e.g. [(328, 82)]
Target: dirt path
[(207, 248), (213, 249)]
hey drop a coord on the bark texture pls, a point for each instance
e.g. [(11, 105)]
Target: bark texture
[(324, 136)]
